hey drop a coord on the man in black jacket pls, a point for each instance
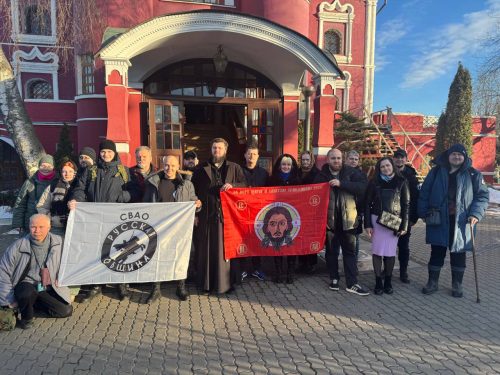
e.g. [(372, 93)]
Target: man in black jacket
[(110, 183), (143, 169), (347, 187), (255, 176), (400, 161)]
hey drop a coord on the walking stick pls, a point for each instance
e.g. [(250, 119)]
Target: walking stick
[(474, 261)]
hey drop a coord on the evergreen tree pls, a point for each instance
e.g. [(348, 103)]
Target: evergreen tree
[(64, 146), (352, 133), (440, 142), (457, 124)]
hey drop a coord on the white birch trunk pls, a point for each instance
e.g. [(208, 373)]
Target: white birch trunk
[(17, 120)]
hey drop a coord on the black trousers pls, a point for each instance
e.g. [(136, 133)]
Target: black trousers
[(346, 240), (250, 264), (49, 302), (438, 253), (404, 249)]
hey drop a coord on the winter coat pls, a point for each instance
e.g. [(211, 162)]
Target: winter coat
[(106, 183), (255, 177), (410, 174), (17, 258), (350, 196), (472, 200), (309, 177), (392, 196), (139, 179), (183, 193), (54, 202), (26, 201)]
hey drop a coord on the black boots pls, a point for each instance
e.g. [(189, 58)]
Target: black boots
[(123, 292), (456, 283), (379, 287), (432, 283), (388, 285), (181, 291), (403, 274), (94, 291), (155, 293)]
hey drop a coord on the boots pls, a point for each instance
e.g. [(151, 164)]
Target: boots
[(94, 291), (379, 287), (456, 283), (388, 285), (123, 292), (181, 291), (432, 284), (403, 274), (155, 293)]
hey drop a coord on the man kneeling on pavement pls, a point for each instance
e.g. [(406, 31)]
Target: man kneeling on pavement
[(28, 274)]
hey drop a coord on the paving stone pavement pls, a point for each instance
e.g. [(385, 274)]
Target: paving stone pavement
[(265, 328)]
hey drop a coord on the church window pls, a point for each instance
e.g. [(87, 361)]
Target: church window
[(333, 42), (38, 89), (36, 20), (87, 74)]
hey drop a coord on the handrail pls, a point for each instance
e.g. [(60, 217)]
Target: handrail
[(381, 135), (390, 116)]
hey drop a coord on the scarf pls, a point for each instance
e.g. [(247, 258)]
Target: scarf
[(386, 178)]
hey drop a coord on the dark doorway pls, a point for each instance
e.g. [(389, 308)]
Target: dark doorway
[(12, 173), (206, 121)]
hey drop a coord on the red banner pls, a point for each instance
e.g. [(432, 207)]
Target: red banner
[(274, 221)]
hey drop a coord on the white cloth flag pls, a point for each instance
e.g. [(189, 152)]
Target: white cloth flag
[(108, 243)]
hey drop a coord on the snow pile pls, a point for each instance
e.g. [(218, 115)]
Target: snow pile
[(5, 212)]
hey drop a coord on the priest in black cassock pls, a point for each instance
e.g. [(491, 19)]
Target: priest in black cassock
[(213, 176)]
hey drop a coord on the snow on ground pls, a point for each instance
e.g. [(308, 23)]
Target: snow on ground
[(5, 212)]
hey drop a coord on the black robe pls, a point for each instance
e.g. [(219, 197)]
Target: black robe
[(213, 271)]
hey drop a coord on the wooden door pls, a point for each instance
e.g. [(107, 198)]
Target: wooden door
[(166, 122), (265, 129)]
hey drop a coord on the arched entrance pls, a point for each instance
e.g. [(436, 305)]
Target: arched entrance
[(11, 170), (190, 104), (282, 55)]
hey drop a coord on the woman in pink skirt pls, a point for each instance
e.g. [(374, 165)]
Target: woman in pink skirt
[(387, 204)]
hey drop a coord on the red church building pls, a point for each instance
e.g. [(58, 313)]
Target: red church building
[(173, 74)]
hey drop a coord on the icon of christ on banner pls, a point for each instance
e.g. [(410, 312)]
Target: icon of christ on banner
[(274, 221)]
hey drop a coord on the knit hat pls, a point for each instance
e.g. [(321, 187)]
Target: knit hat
[(457, 148), (90, 152), (107, 144), (401, 153), (46, 158)]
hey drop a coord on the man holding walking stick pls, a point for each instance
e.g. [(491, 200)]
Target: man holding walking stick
[(452, 200)]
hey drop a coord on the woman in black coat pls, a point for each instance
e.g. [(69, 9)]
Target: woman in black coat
[(285, 172), (387, 193)]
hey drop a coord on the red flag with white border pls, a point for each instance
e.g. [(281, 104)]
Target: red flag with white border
[(274, 221)]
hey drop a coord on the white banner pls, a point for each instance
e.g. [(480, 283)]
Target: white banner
[(109, 243)]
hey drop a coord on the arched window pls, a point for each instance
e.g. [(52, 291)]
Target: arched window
[(36, 20), (39, 89), (333, 42)]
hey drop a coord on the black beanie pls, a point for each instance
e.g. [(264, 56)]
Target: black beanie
[(107, 144), (89, 151), (457, 148)]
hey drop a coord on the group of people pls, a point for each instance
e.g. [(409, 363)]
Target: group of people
[(387, 206)]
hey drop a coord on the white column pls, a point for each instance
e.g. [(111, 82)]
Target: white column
[(371, 13)]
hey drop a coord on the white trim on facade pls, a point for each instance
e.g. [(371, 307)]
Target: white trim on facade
[(17, 36), (337, 13), (122, 147), (321, 151), (371, 18), (92, 119), (117, 55), (228, 3), (90, 96), (344, 84), (19, 66), (49, 101)]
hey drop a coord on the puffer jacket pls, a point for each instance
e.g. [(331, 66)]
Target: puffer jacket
[(392, 196), (107, 183), (17, 258), (472, 200), (26, 201), (347, 199), (184, 192)]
